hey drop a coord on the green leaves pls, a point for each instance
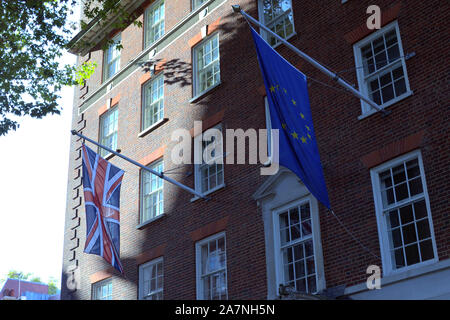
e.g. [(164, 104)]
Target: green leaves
[(84, 72), (32, 36)]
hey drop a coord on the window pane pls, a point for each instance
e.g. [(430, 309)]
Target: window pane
[(300, 285), (415, 186), (397, 238), (420, 209), (426, 249), (423, 229), (409, 233), (393, 219), (412, 254), (401, 192), (399, 258), (299, 269), (406, 214)]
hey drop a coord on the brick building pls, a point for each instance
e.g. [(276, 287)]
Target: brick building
[(387, 176)]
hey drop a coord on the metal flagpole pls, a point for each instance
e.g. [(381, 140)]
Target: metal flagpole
[(332, 75), (160, 175)]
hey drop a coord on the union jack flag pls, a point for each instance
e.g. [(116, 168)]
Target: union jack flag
[(101, 186)]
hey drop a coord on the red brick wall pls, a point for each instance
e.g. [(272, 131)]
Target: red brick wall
[(345, 144)]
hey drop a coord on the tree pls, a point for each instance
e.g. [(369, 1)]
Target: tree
[(52, 286), (33, 36), (14, 274)]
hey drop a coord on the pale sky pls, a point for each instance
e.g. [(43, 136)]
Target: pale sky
[(33, 184), (34, 162)]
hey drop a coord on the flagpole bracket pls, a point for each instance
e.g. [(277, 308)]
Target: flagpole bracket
[(236, 8)]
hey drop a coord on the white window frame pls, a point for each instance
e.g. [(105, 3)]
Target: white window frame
[(269, 24), (101, 284), (152, 263), (198, 254), (147, 28), (197, 4), (387, 261), (148, 103), (107, 64), (363, 80), (153, 215), (196, 79), (315, 236), (198, 167), (114, 110)]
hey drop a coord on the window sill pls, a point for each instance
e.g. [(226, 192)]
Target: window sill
[(110, 155), (204, 93), (209, 192), (153, 127), (386, 105), (148, 222), (287, 39), (402, 275)]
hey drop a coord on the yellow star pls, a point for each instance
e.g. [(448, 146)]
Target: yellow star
[(277, 86), (285, 91), (284, 125), (295, 135), (294, 102), (308, 128), (272, 89), (303, 139), (309, 136), (302, 115)]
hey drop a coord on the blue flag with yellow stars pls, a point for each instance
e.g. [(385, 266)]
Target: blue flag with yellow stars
[(287, 94)]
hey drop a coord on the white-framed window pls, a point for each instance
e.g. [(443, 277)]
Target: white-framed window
[(212, 268), (153, 102), (151, 277), (209, 175), (112, 59), (154, 22), (403, 213), (206, 65), (298, 255), (152, 192), (102, 290), (381, 67), (197, 3), (108, 130), (277, 16)]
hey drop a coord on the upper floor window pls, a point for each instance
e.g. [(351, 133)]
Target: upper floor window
[(403, 213), (102, 290), (381, 67), (152, 193), (108, 130), (295, 248), (206, 65), (212, 268), (151, 280), (153, 102), (277, 16), (154, 22), (209, 174), (197, 3), (112, 58)]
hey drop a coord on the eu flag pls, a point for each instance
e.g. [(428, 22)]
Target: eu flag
[(287, 94)]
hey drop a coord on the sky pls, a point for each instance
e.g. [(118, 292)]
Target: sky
[(34, 162)]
